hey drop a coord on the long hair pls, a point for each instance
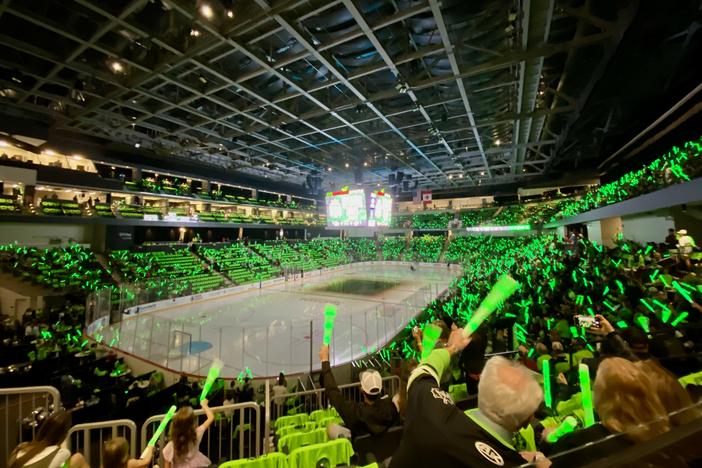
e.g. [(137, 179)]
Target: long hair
[(183, 431), (627, 402), (115, 453), (52, 431), (673, 396)]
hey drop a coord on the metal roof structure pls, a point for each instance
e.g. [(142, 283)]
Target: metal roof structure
[(449, 93)]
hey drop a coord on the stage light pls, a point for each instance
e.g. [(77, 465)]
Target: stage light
[(206, 11), (116, 66)]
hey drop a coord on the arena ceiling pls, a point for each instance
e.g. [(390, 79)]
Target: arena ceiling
[(451, 93)]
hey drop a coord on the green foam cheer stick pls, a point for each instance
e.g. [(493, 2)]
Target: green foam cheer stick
[(586, 391), (679, 318), (546, 369), (567, 426), (212, 375), (682, 292), (161, 427), (329, 316), (429, 338), (500, 292)]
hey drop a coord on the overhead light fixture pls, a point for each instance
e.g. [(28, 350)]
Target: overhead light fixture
[(206, 11), (77, 156), (365, 164), (49, 152), (195, 32), (329, 169), (460, 176), (3, 143), (116, 66), (498, 142), (230, 14), (137, 145), (450, 176), (346, 164), (482, 173)]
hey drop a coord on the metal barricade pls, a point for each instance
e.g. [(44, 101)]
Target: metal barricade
[(16, 407), (89, 438), (236, 432), (311, 400)]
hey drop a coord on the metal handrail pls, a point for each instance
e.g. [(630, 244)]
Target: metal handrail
[(12, 416), (114, 426), (216, 410)]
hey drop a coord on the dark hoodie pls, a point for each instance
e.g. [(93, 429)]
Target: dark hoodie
[(359, 418)]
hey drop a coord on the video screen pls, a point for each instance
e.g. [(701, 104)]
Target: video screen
[(346, 208), (379, 209)]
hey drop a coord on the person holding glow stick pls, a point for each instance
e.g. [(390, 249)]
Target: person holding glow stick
[(375, 415), (626, 402), (183, 449)]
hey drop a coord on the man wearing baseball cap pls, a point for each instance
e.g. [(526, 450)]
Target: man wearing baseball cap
[(685, 245), (375, 415)]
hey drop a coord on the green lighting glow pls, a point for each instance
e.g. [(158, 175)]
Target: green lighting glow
[(586, 392), (514, 227), (546, 369), (329, 316), (162, 426), (212, 375)]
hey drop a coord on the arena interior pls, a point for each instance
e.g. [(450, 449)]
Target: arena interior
[(369, 233)]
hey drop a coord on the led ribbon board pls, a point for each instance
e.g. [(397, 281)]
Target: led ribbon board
[(514, 227)]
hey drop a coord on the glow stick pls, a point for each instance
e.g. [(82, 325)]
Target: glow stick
[(500, 292), (682, 292), (546, 370), (212, 375), (653, 276), (161, 427), (679, 318), (429, 338), (586, 391), (665, 316), (329, 316), (567, 426), (643, 322), (648, 306)]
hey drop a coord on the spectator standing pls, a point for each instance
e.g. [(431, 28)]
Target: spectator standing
[(439, 434), (670, 239), (375, 415), (183, 449)]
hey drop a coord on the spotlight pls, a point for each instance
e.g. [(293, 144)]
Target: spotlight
[(194, 33), (230, 14), (450, 176), (497, 142), (116, 66), (346, 165), (3, 143), (206, 11), (137, 145), (460, 176), (329, 169), (365, 164), (482, 173)]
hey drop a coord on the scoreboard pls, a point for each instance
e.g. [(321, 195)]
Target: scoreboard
[(353, 208)]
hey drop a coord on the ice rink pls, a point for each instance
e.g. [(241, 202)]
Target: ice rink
[(279, 326)]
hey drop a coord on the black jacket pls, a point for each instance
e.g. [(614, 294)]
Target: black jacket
[(359, 418), (438, 434)]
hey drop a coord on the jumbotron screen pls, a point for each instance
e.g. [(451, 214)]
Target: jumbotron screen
[(379, 209), (353, 208), (346, 208)]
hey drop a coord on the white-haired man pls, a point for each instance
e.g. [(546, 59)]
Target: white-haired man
[(439, 434), (375, 415)]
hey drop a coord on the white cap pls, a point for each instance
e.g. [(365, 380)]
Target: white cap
[(371, 382), (682, 232)]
